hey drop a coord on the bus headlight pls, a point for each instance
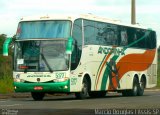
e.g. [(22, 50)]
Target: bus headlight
[(61, 80), (19, 80), (18, 76)]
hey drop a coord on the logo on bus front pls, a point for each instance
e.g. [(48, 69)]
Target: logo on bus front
[(38, 76), (115, 51)]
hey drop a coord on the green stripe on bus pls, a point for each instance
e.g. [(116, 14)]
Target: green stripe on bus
[(98, 71), (104, 79), (105, 75)]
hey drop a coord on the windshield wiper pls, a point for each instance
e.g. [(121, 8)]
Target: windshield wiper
[(50, 69)]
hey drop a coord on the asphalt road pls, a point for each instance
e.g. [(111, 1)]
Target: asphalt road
[(67, 104)]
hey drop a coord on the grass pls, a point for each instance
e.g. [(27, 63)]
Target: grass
[(6, 85), (6, 79), (158, 76), (158, 81)]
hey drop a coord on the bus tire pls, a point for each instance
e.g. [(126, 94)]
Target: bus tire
[(141, 87), (37, 96), (134, 90), (97, 94), (125, 93), (84, 92)]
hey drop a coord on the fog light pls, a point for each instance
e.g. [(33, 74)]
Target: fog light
[(66, 87), (15, 87)]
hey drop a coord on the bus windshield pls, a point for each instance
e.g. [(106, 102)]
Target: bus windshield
[(43, 29), (40, 56)]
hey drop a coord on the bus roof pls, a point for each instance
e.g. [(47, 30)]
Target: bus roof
[(83, 16)]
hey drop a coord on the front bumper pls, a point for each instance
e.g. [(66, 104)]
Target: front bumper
[(46, 87)]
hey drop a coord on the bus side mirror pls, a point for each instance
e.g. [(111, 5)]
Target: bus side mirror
[(6, 46), (69, 45)]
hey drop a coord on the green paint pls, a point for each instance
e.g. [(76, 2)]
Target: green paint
[(69, 45), (6, 46), (106, 73), (47, 87), (115, 57), (100, 50), (104, 79), (99, 69), (115, 51)]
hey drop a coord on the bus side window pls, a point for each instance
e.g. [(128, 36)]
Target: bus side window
[(132, 37), (151, 40), (74, 55), (124, 37), (142, 42), (77, 43)]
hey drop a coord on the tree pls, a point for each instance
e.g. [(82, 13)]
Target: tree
[(5, 62), (2, 39)]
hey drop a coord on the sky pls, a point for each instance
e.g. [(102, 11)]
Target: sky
[(147, 11)]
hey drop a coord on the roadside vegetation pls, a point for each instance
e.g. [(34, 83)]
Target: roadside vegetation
[(6, 80), (158, 79)]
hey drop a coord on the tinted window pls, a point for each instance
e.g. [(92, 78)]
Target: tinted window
[(123, 40), (132, 37), (77, 32), (90, 30), (136, 38), (77, 43), (99, 33), (141, 37), (151, 40), (43, 29)]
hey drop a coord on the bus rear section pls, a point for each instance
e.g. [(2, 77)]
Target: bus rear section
[(113, 57)]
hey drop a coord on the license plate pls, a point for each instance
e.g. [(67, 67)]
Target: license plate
[(38, 88)]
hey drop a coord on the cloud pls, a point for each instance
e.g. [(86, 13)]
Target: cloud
[(148, 9), (12, 10), (112, 2), (48, 5)]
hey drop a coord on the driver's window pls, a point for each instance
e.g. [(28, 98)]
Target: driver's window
[(77, 43)]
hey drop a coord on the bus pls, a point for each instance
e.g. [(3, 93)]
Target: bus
[(85, 54)]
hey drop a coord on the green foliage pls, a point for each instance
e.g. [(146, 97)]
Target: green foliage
[(5, 62), (6, 84), (158, 78), (2, 39), (5, 69)]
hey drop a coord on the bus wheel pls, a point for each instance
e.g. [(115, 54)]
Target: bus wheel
[(37, 96), (97, 94), (134, 90), (141, 87), (125, 93), (83, 94)]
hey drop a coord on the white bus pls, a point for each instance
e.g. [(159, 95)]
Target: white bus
[(85, 55)]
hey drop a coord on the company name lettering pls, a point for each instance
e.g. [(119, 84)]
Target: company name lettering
[(115, 51), (38, 76)]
